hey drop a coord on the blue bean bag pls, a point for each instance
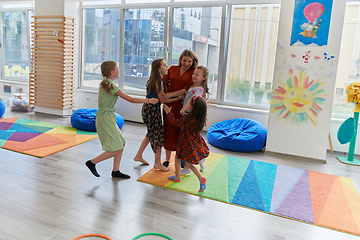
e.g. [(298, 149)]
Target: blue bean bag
[(240, 135), (2, 108), (84, 119)]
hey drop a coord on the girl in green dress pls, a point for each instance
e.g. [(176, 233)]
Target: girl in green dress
[(111, 139)]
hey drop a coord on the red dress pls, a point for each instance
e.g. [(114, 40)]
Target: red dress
[(175, 82), (191, 145)]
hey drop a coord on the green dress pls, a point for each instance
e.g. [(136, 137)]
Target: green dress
[(109, 133)]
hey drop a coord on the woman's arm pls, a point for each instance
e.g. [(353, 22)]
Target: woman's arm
[(136, 100), (175, 99), (160, 93), (174, 94)]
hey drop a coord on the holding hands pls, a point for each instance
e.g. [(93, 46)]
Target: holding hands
[(183, 112), (166, 108), (153, 100)]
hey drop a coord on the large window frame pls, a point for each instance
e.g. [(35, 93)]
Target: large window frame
[(28, 11), (169, 8), (226, 24)]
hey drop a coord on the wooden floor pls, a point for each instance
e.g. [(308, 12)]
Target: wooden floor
[(57, 198)]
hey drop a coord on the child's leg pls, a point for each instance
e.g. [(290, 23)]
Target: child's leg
[(202, 167), (157, 164), (116, 172), (176, 177), (117, 160), (143, 145), (177, 167), (194, 169), (198, 174), (167, 158), (91, 164)]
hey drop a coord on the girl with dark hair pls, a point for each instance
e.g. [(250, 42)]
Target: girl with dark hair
[(191, 146), (178, 80), (151, 114), (200, 87)]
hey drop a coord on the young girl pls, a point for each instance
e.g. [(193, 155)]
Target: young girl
[(200, 87), (151, 114), (191, 147), (111, 139)]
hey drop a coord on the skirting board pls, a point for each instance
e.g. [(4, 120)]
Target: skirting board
[(53, 111), (295, 157)]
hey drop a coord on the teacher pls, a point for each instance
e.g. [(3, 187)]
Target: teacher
[(178, 81)]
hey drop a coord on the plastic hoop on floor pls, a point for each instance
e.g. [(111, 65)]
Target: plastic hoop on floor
[(92, 235), (148, 234)]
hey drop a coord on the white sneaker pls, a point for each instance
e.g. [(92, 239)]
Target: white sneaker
[(185, 171), (202, 167)]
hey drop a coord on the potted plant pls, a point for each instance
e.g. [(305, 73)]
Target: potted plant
[(238, 90), (258, 94)]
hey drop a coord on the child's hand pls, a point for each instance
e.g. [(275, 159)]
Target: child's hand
[(181, 97), (153, 100), (183, 112), (166, 108)]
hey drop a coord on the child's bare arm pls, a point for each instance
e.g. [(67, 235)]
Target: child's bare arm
[(186, 107)]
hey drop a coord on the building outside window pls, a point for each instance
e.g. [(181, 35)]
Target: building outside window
[(250, 40), (101, 43), (15, 45)]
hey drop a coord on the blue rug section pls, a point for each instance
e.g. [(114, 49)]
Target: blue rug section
[(21, 128), (249, 193), (236, 170), (4, 135), (39, 128), (266, 173)]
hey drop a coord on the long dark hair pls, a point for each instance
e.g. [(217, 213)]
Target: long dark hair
[(198, 112), (154, 82), (106, 68)]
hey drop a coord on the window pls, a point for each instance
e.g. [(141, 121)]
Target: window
[(199, 29), (15, 45), (349, 58), (100, 43), (339, 91), (251, 55), (143, 43)]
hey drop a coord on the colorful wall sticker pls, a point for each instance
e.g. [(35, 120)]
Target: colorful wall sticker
[(298, 99), (311, 22)]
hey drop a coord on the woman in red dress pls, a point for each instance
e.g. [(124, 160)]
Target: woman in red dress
[(178, 80)]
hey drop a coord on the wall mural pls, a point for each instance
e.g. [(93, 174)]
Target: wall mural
[(311, 22), (298, 99)]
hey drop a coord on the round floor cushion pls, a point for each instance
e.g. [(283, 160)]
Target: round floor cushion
[(240, 134), (2, 108), (84, 119)]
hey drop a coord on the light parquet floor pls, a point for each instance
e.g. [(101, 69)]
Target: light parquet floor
[(57, 198)]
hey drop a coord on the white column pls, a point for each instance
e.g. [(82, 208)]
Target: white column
[(303, 138)]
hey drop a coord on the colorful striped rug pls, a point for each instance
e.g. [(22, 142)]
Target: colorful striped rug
[(38, 138), (317, 198)]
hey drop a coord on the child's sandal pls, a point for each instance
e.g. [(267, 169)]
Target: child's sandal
[(202, 184), (174, 178)]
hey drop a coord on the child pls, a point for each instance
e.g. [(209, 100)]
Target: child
[(151, 114), (200, 79), (191, 147), (111, 139)]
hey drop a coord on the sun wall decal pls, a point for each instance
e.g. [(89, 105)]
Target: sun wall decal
[(298, 99)]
